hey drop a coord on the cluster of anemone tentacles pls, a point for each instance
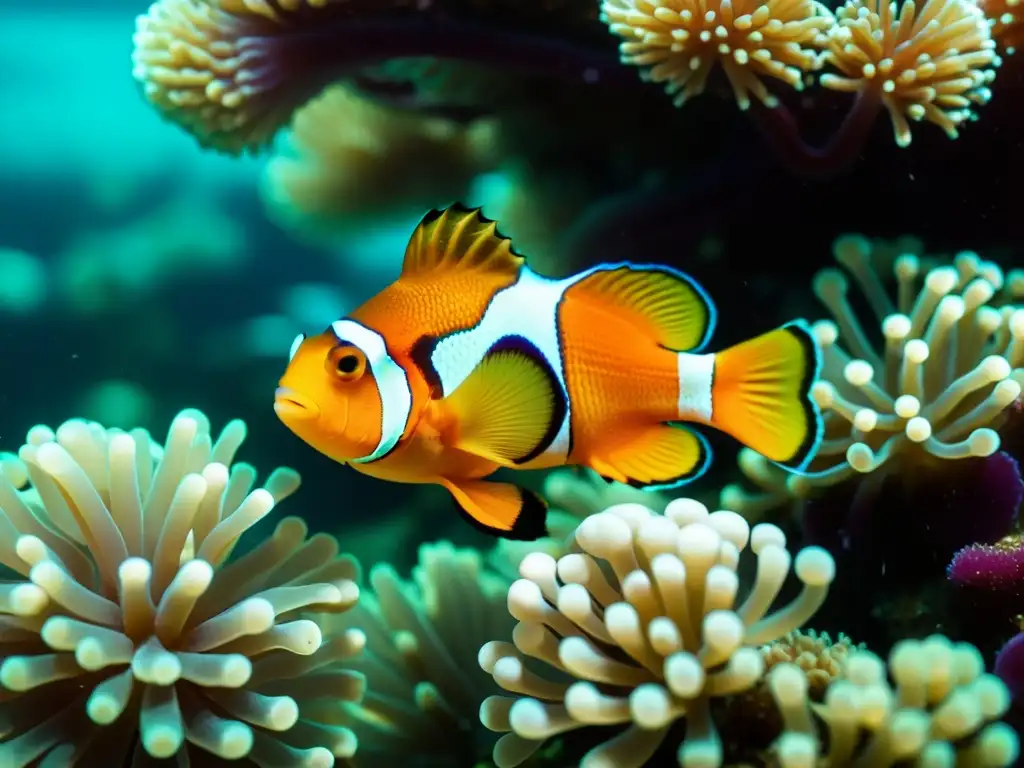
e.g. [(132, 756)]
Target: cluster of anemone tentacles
[(949, 366), (130, 608), (233, 72), (644, 627), (128, 615)]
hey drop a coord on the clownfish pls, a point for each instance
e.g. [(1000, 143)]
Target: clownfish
[(470, 362)]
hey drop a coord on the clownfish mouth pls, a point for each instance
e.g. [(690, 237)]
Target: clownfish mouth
[(289, 404)]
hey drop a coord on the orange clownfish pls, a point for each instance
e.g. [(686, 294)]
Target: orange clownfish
[(470, 362)]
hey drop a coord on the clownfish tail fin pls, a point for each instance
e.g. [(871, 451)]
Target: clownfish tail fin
[(761, 394)]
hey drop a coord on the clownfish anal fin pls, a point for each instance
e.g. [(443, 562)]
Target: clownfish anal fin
[(652, 456), (500, 509), (511, 407), (459, 238), (669, 307)]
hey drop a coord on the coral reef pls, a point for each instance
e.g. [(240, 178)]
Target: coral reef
[(939, 712), (130, 615), (350, 157), (420, 664), (646, 624), (951, 365), (231, 73)]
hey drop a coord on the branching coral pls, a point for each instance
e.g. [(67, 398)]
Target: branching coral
[(420, 664), (951, 364), (680, 42), (646, 619), (131, 616), (929, 63), (940, 711), (351, 157)]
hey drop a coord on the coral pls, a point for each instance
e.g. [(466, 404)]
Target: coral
[(940, 711), (350, 157), (646, 619), (997, 567), (130, 614), (820, 659), (1009, 666), (420, 665), (573, 495), (951, 365), (679, 42), (927, 64)]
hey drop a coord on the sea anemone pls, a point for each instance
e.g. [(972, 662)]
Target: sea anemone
[(647, 621), (573, 495), (1006, 17), (816, 654), (932, 61), (951, 365), (940, 711), (206, 65), (232, 72), (131, 617), (351, 157), (679, 42), (420, 665)]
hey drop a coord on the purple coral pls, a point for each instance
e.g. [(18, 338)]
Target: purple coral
[(996, 567), (1010, 666)]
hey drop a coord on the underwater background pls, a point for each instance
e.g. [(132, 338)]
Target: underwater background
[(187, 186)]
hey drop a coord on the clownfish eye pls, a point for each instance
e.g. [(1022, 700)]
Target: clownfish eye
[(346, 362)]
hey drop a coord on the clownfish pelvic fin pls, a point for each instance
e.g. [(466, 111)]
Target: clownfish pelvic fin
[(500, 509)]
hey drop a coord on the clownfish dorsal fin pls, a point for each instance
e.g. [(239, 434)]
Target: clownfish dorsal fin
[(511, 407), (670, 307), (458, 238)]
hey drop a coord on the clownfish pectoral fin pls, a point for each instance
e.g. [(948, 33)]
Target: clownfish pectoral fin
[(500, 509), (761, 395), (670, 307), (510, 408), (459, 238), (653, 456)]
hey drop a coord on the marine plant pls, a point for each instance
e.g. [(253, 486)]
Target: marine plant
[(129, 616), (228, 71), (643, 627)]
